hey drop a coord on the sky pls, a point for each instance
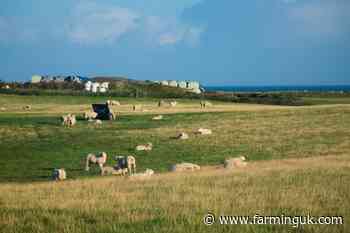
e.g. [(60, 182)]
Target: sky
[(217, 42)]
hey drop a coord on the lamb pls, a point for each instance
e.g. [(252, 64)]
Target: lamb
[(182, 136), (68, 120), (232, 163), (159, 117), (107, 170), (93, 159), (145, 147), (90, 115), (205, 104), (202, 131), (184, 167), (59, 174)]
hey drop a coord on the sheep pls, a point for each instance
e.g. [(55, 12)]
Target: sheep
[(59, 174), (232, 163), (112, 115), (113, 103), (159, 117), (184, 167), (68, 120), (2, 109), (93, 159), (145, 174), (204, 131), (27, 107), (205, 104), (182, 136), (128, 162), (107, 170), (90, 115), (145, 147)]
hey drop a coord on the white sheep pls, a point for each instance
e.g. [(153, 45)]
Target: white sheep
[(145, 147), (59, 174), (93, 159), (182, 136), (159, 117), (107, 170), (90, 115), (181, 167), (204, 131), (128, 162), (232, 163)]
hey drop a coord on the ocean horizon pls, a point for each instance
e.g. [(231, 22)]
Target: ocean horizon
[(280, 88)]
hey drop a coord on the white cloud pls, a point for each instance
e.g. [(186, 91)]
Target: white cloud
[(321, 18), (92, 23), (169, 31)]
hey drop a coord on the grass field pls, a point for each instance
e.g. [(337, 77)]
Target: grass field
[(298, 164)]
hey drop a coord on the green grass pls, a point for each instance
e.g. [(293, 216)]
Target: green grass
[(33, 144)]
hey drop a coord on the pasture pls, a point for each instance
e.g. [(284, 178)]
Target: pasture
[(298, 164)]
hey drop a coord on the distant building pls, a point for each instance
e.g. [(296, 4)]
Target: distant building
[(96, 87), (172, 83), (192, 86), (182, 84), (164, 83)]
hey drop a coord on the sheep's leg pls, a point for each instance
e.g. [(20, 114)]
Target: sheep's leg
[(87, 168)]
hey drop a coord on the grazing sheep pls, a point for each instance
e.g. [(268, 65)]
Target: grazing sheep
[(69, 120), (90, 115), (204, 131), (93, 159), (232, 163), (205, 104), (159, 117), (107, 170), (182, 136), (181, 167), (112, 115), (59, 174), (2, 109), (27, 107), (137, 107), (145, 147), (128, 162), (145, 174)]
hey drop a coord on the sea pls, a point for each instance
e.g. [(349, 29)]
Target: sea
[(321, 88)]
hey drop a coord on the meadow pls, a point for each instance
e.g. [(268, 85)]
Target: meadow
[(298, 164)]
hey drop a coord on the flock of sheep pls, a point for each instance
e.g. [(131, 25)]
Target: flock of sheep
[(127, 164)]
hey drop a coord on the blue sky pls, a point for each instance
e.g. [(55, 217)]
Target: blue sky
[(218, 42)]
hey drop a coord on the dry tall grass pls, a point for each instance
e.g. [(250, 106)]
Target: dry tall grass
[(177, 202)]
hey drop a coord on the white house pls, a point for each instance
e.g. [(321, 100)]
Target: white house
[(88, 86)]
